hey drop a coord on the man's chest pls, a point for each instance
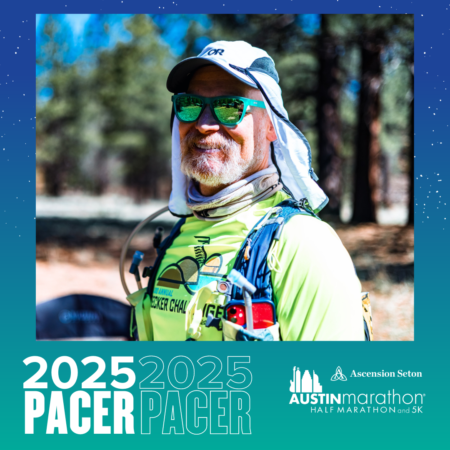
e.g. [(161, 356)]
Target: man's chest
[(202, 254)]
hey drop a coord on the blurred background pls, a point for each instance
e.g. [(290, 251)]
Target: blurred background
[(103, 139)]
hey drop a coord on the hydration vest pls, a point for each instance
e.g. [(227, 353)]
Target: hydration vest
[(255, 261)]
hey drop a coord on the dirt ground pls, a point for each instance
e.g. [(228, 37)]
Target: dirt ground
[(383, 256)]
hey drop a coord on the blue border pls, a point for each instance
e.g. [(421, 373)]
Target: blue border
[(432, 245)]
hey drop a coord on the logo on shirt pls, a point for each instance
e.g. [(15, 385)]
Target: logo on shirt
[(192, 273)]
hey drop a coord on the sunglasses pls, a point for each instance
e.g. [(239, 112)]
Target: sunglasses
[(227, 110)]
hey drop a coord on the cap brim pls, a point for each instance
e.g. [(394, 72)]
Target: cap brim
[(178, 79)]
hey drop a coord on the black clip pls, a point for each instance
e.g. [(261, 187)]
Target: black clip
[(211, 321), (147, 272), (157, 238)]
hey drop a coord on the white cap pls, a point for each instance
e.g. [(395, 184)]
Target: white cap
[(230, 56)]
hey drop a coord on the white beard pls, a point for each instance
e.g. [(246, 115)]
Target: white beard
[(208, 168)]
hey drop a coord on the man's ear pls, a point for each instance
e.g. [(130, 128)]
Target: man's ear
[(271, 135)]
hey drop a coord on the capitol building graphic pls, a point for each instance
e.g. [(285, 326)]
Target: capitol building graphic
[(305, 384)]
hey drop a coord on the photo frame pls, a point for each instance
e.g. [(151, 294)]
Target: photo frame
[(132, 389)]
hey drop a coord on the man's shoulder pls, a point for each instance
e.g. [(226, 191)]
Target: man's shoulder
[(303, 225), (309, 235), (312, 249), (306, 223)]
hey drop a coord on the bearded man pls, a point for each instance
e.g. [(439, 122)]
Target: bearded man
[(238, 165)]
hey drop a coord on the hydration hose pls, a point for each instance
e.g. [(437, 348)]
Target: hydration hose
[(128, 241)]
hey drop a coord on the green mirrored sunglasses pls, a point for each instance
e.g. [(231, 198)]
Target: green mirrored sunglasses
[(227, 110)]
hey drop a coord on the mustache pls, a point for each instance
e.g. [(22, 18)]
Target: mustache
[(217, 140)]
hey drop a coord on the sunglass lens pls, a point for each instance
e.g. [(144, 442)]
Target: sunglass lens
[(228, 110), (188, 108)]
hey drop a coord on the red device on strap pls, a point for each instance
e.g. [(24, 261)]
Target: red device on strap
[(262, 315)]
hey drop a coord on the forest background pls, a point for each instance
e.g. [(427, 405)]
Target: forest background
[(103, 137)]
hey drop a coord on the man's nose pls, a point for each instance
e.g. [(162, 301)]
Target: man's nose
[(206, 123)]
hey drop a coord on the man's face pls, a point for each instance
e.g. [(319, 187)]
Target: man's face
[(216, 155)]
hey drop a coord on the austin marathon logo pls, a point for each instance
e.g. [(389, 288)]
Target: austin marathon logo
[(306, 390)]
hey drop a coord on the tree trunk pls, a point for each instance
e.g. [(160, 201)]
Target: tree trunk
[(411, 153), (55, 175), (100, 176), (143, 173), (365, 193), (328, 122)]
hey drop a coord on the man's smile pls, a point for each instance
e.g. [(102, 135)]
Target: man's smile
[(202, 148)]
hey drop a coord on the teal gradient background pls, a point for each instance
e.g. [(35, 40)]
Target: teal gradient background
[(275, 423)]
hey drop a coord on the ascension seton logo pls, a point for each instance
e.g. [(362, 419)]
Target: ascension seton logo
[(338, 376)]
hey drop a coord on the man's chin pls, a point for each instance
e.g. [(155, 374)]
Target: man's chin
[(207, 178), (212, 173)]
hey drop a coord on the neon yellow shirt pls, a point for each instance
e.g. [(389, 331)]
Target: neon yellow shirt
[(317, 293)]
